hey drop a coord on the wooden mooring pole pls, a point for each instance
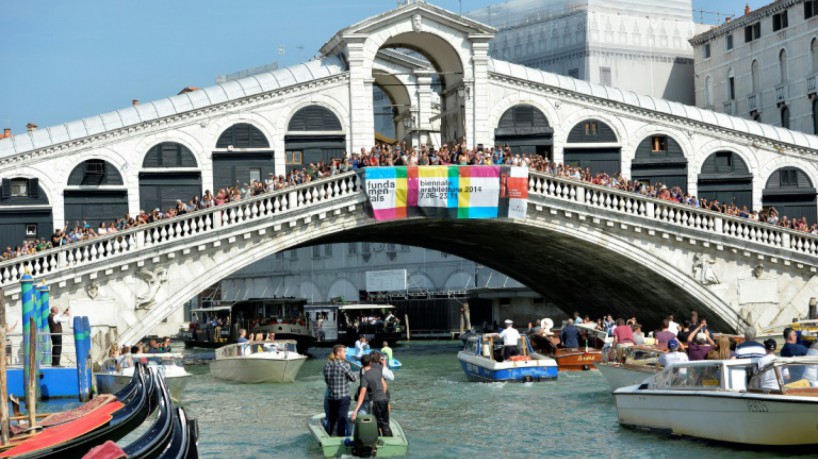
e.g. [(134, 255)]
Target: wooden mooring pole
[(406, 318), (4, 388)]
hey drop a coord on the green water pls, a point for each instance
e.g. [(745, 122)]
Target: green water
[(442, 413)]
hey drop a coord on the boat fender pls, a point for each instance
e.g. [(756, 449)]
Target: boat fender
[(486, 350)]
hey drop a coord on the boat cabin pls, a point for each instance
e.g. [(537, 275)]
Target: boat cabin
[(492, 349), (208, 325), (256, 347), (324, 319), (159, 359)]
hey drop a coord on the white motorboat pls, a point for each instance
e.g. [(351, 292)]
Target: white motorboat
[(807, 329), (634, 365), (717, 400), (116, 373), (258, 362)]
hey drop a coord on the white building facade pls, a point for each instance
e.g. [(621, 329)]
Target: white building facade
[(762, 66)]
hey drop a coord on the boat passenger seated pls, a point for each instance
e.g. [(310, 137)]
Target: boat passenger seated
[(672, 356)]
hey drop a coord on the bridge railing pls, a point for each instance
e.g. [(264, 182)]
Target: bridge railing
[(676, 214), (164, 232)]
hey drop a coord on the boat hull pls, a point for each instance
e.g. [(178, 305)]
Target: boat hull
[(481, 369), (622, 376), (577, 359), (256, 370), (745, 418), (111, 384), (394, 446)]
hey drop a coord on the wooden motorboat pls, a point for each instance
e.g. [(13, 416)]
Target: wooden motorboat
[(715, 400), (72, 434), (480, 360), (355, 362), (567, 358), (634, 365), (362, 441), (112, 377), (258, 362), (807, 332)]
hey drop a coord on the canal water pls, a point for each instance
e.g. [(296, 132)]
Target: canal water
[(444, 415)]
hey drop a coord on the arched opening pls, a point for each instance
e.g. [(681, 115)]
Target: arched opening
[(242, 155), (314, 134), (725, 177), (708, 92), (591, 144), (446, 79), (730, 90), (782, 66), (525, 129), (815, 116), (168, 174), (790, 191), (785, 117), (813, 51), (25, 213), (95, 194), (660, 159)]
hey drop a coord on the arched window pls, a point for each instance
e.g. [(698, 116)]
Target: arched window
[(523, 116), (242, 135), (814, 54), (755, 76), (782, 65), (708, 92), (314, 118), (785, 117), (169, 154)]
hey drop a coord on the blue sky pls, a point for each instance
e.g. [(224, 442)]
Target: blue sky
[(64, 60)]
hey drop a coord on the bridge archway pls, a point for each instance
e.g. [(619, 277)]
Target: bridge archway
[(726, 177), (525, 129), (659, 158), (95, 193), (169, 172), (242, 153), (314, 134), (592, 143), (791, 192)]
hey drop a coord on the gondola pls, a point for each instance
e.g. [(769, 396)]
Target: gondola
[(74, 437)]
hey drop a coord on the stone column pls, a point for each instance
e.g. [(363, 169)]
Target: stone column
[(477, 109), (362, 122), (423, 105)]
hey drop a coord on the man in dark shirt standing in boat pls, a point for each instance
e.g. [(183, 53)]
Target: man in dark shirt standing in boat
[(338, 375), (55, 322), (373, 384), (569, 336)]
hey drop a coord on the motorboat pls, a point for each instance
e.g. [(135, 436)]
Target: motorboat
[(481, 361), (728, 400), (115, 373), (632, 366), (583, 358), (72, 433), (258, 362), (218, 326), (355, 362), (362, 439), (601, 336)]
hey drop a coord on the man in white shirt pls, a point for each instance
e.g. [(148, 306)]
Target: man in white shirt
[(673, 327), (510, 338), (768, 380), (55, 321), (672, 356)]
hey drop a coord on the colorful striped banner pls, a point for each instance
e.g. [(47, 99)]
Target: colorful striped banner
[(446, 191)]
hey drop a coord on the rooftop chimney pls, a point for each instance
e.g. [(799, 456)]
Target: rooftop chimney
[(135, 102), (727, 19), (31, 127), (6, 133), (747, 9)]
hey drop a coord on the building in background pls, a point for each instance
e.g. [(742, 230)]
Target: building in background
[(629, 44), (762, 66)]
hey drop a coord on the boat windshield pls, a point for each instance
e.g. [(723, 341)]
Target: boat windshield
[(789, 378), (702, 376), (113, 364)]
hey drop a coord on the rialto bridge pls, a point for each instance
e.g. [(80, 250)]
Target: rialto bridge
[(581, 246)]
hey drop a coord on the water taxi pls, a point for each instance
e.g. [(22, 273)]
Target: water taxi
[(363, 439), (807, 332), (583, 358), (481, 361), (635, 364), (218, 326), (116, 373), (717, 400), (258, 362)]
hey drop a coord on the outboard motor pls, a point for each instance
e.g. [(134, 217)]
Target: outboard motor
[(365, 440)]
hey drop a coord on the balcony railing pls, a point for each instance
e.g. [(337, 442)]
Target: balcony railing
[(730, 107), (754, 102)]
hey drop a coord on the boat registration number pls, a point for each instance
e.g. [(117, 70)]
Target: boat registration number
[(755, 406)]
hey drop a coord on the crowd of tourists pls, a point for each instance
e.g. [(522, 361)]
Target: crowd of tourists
[(400, 155)]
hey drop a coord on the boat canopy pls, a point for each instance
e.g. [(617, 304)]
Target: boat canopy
[(361, 307), (213, 309)]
